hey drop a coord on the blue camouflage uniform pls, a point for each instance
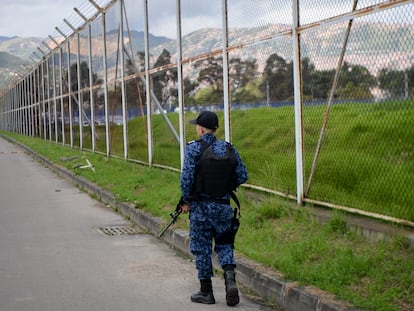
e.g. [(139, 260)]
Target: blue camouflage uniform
[(208, 219)]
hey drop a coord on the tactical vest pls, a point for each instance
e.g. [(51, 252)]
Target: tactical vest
[(214, 175)]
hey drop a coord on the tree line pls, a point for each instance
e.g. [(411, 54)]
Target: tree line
[(247, 85), (275, 83)]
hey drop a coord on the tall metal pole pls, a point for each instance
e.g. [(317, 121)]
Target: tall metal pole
[(148, 87), (123, 94), (297, 82), (91, 99), (27, 106), (24, 104), (80, 97), (43, 99), (30, 104), (180, 84), (54, 96), (70, 95), (227, 127), (33, 95), (91, 102), (105, 68), (17, 105), (62, 111), (37, 98), (48, 100), (21, 107), (70, 85)]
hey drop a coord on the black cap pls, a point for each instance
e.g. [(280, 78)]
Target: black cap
[(207, 119)]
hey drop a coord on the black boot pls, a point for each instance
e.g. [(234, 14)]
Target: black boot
[(205, 295), (232, 292)]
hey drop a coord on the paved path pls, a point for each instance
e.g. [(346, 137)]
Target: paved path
[(53, 257)]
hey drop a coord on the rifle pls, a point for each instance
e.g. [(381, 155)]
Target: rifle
[(174, 215)]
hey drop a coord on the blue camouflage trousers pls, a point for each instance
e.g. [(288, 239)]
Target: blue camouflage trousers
[(208, 220)]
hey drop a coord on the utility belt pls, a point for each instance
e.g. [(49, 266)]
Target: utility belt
[(215, 200), (198, 197)]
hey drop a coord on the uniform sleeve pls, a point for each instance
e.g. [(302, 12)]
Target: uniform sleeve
[(241, 171), (191, 153)]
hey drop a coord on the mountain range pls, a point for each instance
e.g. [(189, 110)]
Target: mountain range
[(373, 45)]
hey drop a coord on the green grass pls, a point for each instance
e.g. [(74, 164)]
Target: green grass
[(274, 232), (366, 160)]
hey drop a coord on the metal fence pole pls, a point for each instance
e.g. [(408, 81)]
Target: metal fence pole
[(25, 105), (70, 96), (62, 111), (91, 99), (70, 86), (18, 105), (33, 100), (226, 96), (148, 86), (180, 84), (105, 84), (37, 96), (297, 82), (54, 96), (80, 100), (43, 99), (123, 93), (30, 104)]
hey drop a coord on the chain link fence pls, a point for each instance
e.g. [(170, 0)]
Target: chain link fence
[(318, 97)]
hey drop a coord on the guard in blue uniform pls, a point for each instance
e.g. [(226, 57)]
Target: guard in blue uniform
[(210, 215)]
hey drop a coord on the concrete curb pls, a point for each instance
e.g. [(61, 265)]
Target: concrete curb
[(264, 282)]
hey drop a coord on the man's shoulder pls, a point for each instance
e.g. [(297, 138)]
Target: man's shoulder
[(193, 147), (191, 142)]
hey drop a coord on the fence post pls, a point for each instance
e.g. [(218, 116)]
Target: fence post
[(297, 83), (180, 84), (226, 97)]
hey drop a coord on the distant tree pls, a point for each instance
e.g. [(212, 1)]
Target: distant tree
[(395, 82), (189, 90), (165, 81), (355, 81), (84, 83), (207, 95), (277, 78), (241, 73), (134, 88), (210, 72), (308, 73), (249, 93), (321, 83), (140, 61), (84, 76), (210, 75)]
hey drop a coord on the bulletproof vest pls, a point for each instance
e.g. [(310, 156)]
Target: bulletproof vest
[(215, 175)]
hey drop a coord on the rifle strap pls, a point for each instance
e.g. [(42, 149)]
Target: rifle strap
[(205, 145)]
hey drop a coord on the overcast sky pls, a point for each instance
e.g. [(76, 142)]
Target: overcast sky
[(39, 18), (25, 18)]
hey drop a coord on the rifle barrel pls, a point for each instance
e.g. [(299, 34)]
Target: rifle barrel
[(174, 217)]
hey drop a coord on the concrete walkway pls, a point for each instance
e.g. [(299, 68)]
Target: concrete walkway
[(54, 255)]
